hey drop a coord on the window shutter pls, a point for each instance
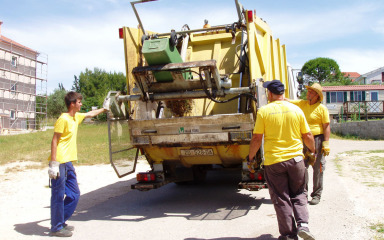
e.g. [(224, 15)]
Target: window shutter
[(351, 96), (363, 95), (345, 96), (328, 97)]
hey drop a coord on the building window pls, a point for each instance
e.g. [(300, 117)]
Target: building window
[(374, 96), (336, 97), (14, 61), (13, 88), (357, 96), (12, 115)]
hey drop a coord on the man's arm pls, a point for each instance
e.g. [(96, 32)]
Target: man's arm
[(55, 141), (309, 141), (255, 144), (326, 131), (94, 113)]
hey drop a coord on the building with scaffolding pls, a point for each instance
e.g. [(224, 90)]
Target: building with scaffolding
[(23, 87)]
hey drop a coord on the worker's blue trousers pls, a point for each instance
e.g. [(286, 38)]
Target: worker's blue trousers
[(65, 196)]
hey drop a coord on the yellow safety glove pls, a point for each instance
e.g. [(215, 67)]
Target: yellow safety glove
[(310, 157), (325, 150)]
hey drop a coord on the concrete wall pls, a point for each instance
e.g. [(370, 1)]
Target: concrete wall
[(363, 129)]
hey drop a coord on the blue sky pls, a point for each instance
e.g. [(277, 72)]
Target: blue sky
[(79, 34)]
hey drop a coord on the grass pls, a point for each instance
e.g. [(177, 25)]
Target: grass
[(92, 144), (379, 230), (347, 137)]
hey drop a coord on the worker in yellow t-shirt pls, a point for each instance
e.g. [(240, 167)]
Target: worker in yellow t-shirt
[(318, 120), (65, 191), (284, 129)]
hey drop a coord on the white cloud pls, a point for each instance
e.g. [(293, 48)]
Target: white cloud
[(296, 28), (361, 61)]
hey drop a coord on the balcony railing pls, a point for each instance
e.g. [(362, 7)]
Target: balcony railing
[(363, 107)]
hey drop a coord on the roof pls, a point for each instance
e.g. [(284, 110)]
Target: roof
[(352, 88), (351, 74), (10, 41), (381, 69)]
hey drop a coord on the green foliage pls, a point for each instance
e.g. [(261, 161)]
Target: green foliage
[(95, 85), (76, 84), (56, 104), (321, 70)]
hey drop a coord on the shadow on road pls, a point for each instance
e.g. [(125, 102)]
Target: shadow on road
[(262, 237), (216, 199)]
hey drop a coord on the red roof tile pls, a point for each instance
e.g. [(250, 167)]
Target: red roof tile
[(352, 88), (351, 74), (5, 39)]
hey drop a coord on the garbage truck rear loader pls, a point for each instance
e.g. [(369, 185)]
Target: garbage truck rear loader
[(192, 98)]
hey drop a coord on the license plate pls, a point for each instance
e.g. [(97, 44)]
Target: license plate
[(197, 152)]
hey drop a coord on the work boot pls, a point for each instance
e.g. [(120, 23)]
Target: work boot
[(304, 232), (68, 227), (61, 233), (314, 201)]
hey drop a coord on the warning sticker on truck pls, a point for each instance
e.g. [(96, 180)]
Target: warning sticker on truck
[(196, 152)]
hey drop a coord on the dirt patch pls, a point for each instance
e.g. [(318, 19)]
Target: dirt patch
[(366, 167), (363, 171)]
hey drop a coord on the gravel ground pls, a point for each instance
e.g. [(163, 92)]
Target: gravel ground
[(351, 202)]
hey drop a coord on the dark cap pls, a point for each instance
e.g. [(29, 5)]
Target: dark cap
[(274, 86)]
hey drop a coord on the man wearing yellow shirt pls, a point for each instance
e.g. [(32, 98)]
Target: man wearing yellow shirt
[(284, 128), (65, 191), (318, 120)]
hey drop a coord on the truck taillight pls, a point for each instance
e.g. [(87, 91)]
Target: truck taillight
[(260, 177), (250, 16), (145, 177), (121, 33)]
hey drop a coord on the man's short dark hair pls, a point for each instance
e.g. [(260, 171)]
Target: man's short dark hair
[(72, 97), (275, 87)]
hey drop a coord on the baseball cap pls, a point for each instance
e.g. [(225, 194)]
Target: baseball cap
[(274, 86)]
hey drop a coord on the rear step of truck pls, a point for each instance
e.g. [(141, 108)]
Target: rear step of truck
[(252, 186)]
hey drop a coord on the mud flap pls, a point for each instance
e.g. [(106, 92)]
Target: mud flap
[(123, 156)]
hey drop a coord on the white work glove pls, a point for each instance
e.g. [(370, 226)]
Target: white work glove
[(54, 169), (106, 103)]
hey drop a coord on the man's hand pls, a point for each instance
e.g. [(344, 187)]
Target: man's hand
[(106, 103), (325, 150), (310, 157), (54, 169), (250, 164)]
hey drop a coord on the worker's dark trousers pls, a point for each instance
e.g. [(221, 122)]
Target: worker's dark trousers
[(318, 168), (65, 195), (286, 183)]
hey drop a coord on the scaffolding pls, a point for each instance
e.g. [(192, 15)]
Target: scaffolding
[(23, 88)]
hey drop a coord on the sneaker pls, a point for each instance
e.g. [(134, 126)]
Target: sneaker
[(68, 227), (305, 234), (61, 233), (314, 201)]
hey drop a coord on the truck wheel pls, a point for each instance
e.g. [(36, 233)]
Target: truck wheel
[(199, 174)]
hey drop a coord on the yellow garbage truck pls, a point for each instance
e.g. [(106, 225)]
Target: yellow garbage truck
[(192, 98)]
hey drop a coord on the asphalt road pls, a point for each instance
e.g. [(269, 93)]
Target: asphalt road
[(109, 209)]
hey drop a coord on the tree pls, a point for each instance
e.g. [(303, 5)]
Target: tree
[(76, 84), (95, 85), (56, 104), (321, 70)]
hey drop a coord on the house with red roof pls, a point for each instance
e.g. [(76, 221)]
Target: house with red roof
[(23, 88), (351, 75), (354, 99)]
